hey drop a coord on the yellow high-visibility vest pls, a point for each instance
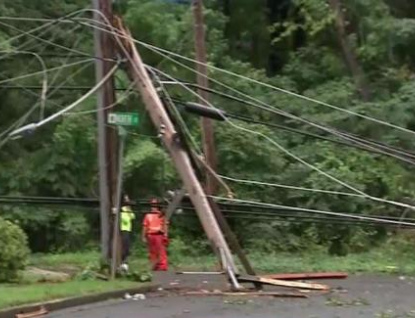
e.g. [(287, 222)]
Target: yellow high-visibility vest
[(126, 219)]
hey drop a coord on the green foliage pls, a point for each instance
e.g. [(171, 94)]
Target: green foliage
[(13, 250), (296, 40), (140, 276)]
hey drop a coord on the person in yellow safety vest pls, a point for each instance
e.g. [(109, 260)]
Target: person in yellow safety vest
[(126, 226)]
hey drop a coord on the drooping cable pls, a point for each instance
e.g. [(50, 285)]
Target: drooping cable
[(344, 215), (290, 154)]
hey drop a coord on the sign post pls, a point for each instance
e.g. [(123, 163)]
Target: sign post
[(123, 119), (119, 120)]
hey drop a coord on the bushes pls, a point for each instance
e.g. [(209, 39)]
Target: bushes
[(13, 250)]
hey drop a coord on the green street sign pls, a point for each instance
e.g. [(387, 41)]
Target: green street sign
[(123, 119)]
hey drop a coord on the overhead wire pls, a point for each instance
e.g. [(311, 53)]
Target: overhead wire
[(405, 157), (123, 97), (47, 70), (315, 101), (388, 149), (293, 155), (288, 115), (339, 214), (50, 22), (80, 100), (272, 109), (289, 153), (117, 35), (155, 48), (23, 118), (44, 81), (49, 42)]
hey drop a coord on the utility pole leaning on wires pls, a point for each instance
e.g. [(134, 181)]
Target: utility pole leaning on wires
[(208, 132), (171, 139), (107, 137), (206, 123)]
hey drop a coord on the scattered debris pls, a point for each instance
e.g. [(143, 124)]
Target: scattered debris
[(41, 312), (254, 294), (238, 301), (127, 296), (139, 297), (306, 276), (200, 273), (338, 302)]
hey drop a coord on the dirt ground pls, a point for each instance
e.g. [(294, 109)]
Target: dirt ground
[(357, 296)]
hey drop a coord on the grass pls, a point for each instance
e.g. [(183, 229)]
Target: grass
[(376, 261), (66, 261), (387, 259), (13, 295)]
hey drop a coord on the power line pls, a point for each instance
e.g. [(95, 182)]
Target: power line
[(315, 136), (339, 214), (155, 48), (276, 143), (313, 167), (271, 125), (289, 153), (281, 113), (267, 107), (47, 70), (264, 106), (22, 119), (276, 88)]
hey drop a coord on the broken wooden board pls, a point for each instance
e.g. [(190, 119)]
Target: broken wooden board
[(41, 312), (306, 276), (282, 283), (251, 294), (200, 273)]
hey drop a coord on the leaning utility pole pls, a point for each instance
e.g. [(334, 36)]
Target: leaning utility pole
[(107, 138), (171, 139), (207, 124)]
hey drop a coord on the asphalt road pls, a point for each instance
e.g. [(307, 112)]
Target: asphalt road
[(358, 296)]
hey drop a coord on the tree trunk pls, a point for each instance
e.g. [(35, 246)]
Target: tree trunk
[(349, 55)]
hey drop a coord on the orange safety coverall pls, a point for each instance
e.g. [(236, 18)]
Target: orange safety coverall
[(155, 231)]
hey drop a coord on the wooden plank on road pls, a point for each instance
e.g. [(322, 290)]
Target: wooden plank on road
[(306, 276), (282, 283)]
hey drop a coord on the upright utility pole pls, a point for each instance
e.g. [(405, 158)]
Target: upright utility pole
[(107, 138), (348, 51), (207, 124)]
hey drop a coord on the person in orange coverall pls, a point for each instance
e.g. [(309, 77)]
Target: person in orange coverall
[(155, 234)]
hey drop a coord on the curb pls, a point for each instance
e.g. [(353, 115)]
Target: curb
[(60, 304)]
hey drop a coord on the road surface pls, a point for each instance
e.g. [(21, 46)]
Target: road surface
[(358, 296)]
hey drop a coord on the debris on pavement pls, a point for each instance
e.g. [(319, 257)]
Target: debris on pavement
[(41, 312), (254, 293), (306, 276), (282, 283), (127, 296), (200, 273)]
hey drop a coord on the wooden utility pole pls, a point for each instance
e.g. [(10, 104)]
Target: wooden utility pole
[(206, 123), (208, 133), (107, 137), (181, 159), (348, 52)]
